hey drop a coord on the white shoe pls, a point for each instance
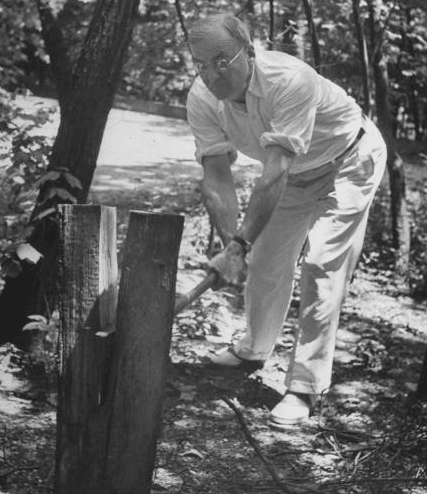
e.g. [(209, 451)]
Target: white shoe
[(294, 408), (228, 358)]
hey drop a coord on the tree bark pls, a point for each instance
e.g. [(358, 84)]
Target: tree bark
[(315, 47), (84, 111)]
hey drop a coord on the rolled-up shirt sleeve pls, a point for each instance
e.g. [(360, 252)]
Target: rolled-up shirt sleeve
[(294, 110), (210, 139)]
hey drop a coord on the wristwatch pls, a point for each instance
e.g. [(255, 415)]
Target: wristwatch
[(245, 244)]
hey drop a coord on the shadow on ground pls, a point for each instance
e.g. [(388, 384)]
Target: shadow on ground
[(363, 431)]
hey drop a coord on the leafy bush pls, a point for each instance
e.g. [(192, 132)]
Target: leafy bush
[(23, 60), (11, 43), (23, 160)]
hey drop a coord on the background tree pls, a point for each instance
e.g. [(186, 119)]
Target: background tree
[(395, 165), (270, 43), (363, 55), (86, 96), (308, 8)]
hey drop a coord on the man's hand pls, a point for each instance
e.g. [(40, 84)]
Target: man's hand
[(230, 264)]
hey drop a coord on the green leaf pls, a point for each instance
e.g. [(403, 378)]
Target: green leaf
[(48, 177), (73, 181), (65, 195), (18, 179), (36, 325), (38, 317), (44, 213)]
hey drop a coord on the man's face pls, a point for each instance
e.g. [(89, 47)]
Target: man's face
[(226, 81)]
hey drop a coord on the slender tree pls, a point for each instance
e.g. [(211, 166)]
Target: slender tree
[(363, 53), (271, 25), (395, 164), (315, 47), (181, 19), (85, 94)]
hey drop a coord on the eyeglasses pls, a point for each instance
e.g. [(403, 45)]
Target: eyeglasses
[(221, 65)]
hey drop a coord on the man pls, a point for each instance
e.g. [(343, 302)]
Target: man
[(322, 163)]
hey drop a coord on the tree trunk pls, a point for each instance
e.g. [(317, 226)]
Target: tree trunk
[(271, 25), (395, 164), (315, 47), (299, 38), (84, 110), (421, 393), (364, 61)]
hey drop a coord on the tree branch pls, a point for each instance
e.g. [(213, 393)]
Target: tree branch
[(181, 19), (278, 481)]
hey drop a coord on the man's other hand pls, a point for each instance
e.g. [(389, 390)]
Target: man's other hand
[(230, 264)]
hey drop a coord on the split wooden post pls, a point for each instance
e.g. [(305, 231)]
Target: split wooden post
[(141, 350), (88, 286), (111, 387)]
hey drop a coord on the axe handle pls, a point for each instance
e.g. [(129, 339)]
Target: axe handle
[(183, 301)]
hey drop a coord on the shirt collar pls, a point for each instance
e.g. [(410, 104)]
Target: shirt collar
[(255, 85)]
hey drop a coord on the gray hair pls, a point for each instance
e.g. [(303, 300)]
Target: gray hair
[(232, 24)]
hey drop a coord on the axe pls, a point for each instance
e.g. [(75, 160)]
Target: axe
[(183, 301)]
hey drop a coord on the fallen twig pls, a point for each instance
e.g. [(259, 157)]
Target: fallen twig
[(375, 480), (287, 489)]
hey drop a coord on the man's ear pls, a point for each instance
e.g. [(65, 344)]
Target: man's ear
[(251, 51)]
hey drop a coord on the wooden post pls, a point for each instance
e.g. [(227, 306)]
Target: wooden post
[(88, 296), (141, 351)]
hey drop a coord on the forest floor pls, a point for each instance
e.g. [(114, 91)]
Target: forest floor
[(366, 436)]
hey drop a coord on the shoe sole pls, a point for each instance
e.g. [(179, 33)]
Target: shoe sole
[(243, 366), (287, 424)]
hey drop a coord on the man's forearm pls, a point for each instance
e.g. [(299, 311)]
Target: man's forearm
[(266, 193), (223, 210), (262, 204)]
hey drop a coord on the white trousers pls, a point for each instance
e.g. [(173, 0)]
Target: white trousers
[(324, 210)]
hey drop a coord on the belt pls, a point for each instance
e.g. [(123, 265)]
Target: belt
[(353, 143)]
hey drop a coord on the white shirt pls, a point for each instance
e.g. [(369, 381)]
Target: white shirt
[(287, 103)]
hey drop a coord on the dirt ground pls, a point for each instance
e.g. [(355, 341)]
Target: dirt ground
[(366, 436)]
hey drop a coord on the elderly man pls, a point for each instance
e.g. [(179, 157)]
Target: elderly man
[(322, 163)]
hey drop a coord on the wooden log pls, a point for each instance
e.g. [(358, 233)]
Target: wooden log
[(141, 351), (88, 299)]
